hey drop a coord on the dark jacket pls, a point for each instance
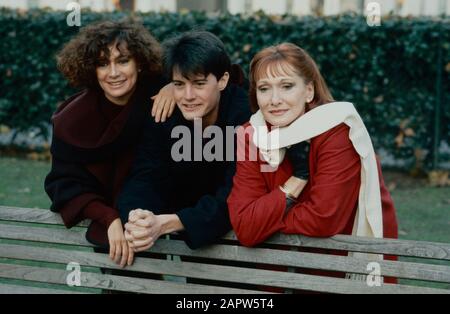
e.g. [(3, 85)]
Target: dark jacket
[(195, 190), (92, 150)]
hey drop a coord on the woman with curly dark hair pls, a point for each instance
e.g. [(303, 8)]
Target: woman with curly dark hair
[(118, 65)]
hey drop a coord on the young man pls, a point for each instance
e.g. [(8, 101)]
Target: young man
[(174, 187)]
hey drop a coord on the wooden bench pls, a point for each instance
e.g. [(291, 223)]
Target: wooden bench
[(35, 250)]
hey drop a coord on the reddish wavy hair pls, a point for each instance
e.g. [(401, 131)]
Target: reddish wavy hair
[(287, 57)]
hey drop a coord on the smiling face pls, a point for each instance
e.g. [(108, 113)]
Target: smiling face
[(282, 94), (199, 95), (117, 76)]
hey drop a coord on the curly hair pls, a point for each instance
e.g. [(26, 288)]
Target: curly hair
[(79, 58)]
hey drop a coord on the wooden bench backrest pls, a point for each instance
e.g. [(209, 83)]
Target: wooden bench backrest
[(37, 235)]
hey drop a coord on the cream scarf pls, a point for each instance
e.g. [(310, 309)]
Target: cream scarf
[(272, 145)]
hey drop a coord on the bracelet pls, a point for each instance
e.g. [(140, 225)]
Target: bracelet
[(289, 195), (290, 199)]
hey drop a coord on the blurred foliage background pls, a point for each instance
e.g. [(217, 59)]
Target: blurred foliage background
[(397, 75)]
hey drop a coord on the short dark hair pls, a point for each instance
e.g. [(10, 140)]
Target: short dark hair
[(79, 58), (196, 52)]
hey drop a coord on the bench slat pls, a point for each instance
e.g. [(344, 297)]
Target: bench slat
[(339, 242), (211, 272), (437, 273), (36, 215), (38, 234), (406, 270), (422, 249), (112, 282), (15, 289)]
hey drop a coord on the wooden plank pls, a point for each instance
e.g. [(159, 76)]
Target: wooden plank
[(37, 234), (16, 289), (422, 249), (35, 215), (211, 272), (407, 270), (429, 250), (112, 282)]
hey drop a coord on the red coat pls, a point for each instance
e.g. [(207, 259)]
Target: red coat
[(327, 205)]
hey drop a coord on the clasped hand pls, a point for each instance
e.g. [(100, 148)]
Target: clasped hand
[(142, 229)]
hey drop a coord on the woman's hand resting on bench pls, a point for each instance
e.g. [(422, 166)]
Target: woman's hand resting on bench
[(119, 250)]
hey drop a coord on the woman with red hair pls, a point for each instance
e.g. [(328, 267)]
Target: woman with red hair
[(316, 172)]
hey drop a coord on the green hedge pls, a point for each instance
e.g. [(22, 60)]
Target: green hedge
[(389, 72)]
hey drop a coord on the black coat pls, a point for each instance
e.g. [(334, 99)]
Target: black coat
[(92, 155), (196, 191)]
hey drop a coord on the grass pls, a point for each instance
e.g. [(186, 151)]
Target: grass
[(423, 212), (22, 183)]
